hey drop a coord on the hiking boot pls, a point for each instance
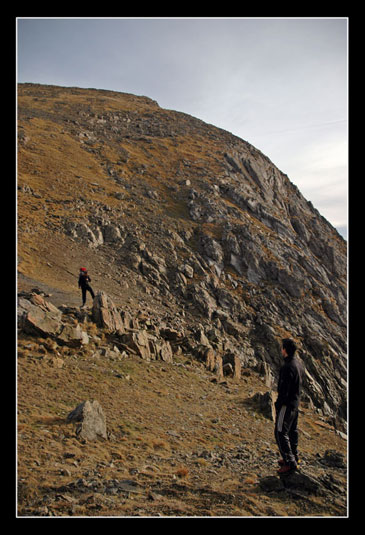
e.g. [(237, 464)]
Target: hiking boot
[(287, 469)]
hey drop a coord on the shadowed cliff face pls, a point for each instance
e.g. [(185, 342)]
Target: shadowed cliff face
[(184, 221)]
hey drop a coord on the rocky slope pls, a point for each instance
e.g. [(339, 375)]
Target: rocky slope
[(185, 224), (117, 418)]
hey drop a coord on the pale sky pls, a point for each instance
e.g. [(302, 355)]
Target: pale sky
[(279, 83)]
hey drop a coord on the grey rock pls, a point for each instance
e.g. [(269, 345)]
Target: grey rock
[(83, 232), (265, 404), (90, 419), (334, 459), (38, 317), (106, 315), (73, 336), (111, 234), (303, 482), (271, 484)]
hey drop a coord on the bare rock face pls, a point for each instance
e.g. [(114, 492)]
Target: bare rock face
[(90, 419)]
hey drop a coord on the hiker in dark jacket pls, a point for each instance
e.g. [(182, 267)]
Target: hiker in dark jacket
[(286, 405), (84, 280)]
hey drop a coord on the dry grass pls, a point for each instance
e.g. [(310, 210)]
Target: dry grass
[(159, 420)]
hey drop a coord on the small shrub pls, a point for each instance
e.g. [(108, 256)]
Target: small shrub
[(182, 472)]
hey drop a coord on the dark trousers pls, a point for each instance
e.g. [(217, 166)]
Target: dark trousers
[(85, 289), (286, 433)]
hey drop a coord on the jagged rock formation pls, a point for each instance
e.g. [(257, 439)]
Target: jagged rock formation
[(184, 220)]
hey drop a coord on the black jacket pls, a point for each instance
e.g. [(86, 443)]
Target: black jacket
[(290, 384), (84, 280)]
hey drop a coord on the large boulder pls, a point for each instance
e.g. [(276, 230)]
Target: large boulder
[(232, 365), (138, 342), (106, 315), (161, 350), (265, 404), (38, 317), (296, 481), (90, 419), (73, 336)]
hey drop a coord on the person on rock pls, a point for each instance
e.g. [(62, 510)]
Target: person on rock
[(84, 280), (286, 405)]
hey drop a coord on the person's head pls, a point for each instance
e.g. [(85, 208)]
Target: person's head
[(82, 270), (288, 347)]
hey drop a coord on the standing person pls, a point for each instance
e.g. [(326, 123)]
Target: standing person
[(84, 280), (286, 405)]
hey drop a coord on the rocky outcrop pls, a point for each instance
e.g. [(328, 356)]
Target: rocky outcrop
[(310, 481), (39, 317)]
